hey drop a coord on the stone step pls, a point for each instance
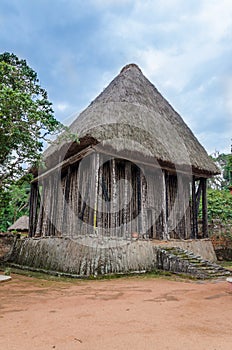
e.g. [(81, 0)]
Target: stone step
[(188, 262)]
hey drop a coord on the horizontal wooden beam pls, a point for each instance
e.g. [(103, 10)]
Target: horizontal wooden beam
[(65, 163)]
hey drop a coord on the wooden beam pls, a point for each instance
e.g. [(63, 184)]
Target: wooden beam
[(65, 163)]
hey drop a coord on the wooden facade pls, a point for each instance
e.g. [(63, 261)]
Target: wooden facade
[(113, 197)]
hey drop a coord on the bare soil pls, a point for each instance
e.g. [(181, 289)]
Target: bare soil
[(127, 313)]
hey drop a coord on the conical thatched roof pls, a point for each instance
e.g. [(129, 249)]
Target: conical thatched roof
[(22, 224), (130, 117)]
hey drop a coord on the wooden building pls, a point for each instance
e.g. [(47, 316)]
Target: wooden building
[(137, 170)]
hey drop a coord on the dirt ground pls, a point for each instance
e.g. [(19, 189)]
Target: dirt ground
[(127, 313)]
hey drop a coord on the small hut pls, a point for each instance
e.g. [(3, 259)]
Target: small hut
[(137, 170), (21, 225)]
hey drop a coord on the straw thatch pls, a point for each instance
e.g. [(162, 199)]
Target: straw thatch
[(130, 117), (20, 225)]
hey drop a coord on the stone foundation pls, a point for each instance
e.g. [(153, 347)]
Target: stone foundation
[(85, 256), (91, 255)]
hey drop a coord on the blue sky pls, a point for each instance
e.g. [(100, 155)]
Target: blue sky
[(77, 47)]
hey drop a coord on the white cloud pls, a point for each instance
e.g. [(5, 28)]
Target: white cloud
[(62, 106), (216, 18)]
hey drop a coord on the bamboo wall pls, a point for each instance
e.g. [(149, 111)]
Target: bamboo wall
[(117, 200)]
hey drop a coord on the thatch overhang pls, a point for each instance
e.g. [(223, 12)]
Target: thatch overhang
[(131, 119), (20, 225)]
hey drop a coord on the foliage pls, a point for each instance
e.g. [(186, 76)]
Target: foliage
[(220, 205), (14, 202), (26, 117), (224, 162)]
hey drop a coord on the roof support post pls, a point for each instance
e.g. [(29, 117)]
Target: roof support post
[(33, 215), (143, 202), (165, 206), (194, 209), (95, 209), (204, 208), (114, 208), (66, 203)]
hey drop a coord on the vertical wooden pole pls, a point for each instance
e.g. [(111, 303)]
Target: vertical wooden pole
[(138, 201), (66, 203), (100, 209), (128, 198), (38, 229), (204, 208), (34, 196), (114, 198), (143, 203), (194, 210), (164, 206), (96, 170)]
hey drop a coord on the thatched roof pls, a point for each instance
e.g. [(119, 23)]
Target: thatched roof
[(22, 224), (131, 118)]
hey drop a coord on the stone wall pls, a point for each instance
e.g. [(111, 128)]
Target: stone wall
[(221, 237), (85, 256)]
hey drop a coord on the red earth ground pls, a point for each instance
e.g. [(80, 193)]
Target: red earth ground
[(127, 313)]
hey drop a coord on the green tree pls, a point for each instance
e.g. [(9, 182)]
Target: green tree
[(223, 181), (220, 205), (14, 202), (26, 118)]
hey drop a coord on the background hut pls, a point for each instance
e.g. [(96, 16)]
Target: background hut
[(20, 225), (137, 170)]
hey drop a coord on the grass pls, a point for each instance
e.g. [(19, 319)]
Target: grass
[(226, 264), (59, 278)]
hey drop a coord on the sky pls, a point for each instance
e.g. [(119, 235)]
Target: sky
[(77, 47)]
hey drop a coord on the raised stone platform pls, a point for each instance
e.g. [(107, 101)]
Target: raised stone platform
[(84, 256), (91, 255)]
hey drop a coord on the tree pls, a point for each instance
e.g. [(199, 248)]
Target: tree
[(14, 202), (224, 163), (26, 118)]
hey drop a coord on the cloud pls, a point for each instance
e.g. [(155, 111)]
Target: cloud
[(184, 47)]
